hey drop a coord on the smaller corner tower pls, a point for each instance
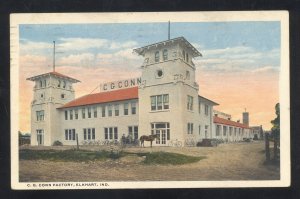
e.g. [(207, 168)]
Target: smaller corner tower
[(51, 90)]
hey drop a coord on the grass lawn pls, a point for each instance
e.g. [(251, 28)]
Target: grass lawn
[(161, 158)]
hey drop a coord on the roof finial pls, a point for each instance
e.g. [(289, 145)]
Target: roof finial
[(53, 56)]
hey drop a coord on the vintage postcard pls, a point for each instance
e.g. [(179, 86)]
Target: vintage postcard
[(150, 100)]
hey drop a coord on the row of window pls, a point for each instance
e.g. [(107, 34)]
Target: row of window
[(185, 55), (110, 133), (237, 131), (92, 112)]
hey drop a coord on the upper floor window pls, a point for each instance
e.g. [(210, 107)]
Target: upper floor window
[(83, 113), (64, 84), (187, 75), (40, 115), (59, 82), (183, 55), (187, 57), (133, 108), (157, 56), (71, 114), (89, 112), (109, 110), (66, 115), (165, 54), (76, 114), (126, 109), (199, 105), (45, 83), (41, 84), (206, 109), (95, 111), (189, 103), (103, 111), (116, 109), (160, 102)]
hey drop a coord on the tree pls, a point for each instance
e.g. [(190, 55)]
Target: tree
[(276, 123)]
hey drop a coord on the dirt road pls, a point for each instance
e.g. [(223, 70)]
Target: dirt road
[(236, 161)]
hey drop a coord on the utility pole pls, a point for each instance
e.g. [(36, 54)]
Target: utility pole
[(169, 27), (53, 56)]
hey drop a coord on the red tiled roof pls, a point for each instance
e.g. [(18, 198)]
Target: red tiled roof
[(53, 73), (219, 120), (104, 97)]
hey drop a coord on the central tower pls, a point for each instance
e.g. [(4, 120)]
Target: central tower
[(169, 91)]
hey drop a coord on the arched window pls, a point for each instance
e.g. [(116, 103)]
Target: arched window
[(58, 83), (165, 54), (157, 56)]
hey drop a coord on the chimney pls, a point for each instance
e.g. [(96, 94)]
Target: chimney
[(238, 121)]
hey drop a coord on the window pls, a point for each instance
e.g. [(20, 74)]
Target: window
[(206, 109), (166, 101), (71, 114), (230, 131), (159, 102), (199, 129), (157, 56), (199, 105), (76, 114), (189, 103), (165, 54), (66, 115), (159, 73), (187, 57), (40, 115), (218, 129), (95, 111), (183, 55), (235, 131), (187, 75), (45, 83), (206, 131), (89, 112), (41, 84), (59, 83), (103, 111), (109, 110), (64, 84), (111, 133), (116, 109), (70, 134), (83, 113), (224, 130), (190, 128), (133, 108), (62, 96), (89, 134), (133, 132), (126, 109)]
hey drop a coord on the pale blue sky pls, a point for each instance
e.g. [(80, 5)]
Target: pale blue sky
[(255, 43)]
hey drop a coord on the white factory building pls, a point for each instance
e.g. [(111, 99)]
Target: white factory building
[(165, 100)]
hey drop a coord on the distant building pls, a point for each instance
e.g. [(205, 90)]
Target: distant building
[(258, 132), (163, 101)]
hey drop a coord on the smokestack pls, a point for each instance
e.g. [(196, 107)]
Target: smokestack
[(246, 118)]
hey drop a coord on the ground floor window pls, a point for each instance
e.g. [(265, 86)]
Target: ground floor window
[(190, 128), (70, 134), (218, 130), (162, 130), (133, 132), (40, 136), (206, 131), (224, 130), (111, 133), (89, 134)]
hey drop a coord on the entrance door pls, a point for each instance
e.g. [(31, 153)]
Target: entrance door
[(40, 136), (161, 138)]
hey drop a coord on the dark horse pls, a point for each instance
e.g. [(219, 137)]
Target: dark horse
[(147, 138)]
